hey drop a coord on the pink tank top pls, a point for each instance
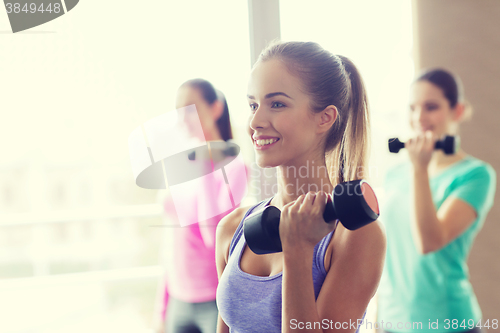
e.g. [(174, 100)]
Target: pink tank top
[(190, 250)]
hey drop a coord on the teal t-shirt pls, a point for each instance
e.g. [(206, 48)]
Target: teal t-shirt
[(417, 288)]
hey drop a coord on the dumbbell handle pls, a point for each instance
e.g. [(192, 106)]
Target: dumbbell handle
[(218, 151)]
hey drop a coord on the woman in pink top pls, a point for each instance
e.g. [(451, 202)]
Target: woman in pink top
[(190, 281)]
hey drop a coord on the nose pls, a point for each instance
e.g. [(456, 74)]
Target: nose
[(258, 119)]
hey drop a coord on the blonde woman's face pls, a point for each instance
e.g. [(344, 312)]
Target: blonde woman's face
[(279, 110), (430, 110)]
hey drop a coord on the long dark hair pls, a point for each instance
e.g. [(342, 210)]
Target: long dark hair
[(210, 95), (331, 79)]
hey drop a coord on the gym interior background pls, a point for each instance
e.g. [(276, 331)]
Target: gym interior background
[(79, 241)]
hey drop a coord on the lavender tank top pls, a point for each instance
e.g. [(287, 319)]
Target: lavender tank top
[(249, 303)]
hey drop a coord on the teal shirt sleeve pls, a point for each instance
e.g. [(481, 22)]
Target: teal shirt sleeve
[(477, 188)]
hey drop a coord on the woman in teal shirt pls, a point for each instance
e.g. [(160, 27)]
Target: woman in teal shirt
[(435, 206)]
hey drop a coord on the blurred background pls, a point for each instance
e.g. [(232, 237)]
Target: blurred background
[(80, 243)]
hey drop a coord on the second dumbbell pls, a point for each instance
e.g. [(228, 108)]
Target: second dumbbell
[(449, 145)]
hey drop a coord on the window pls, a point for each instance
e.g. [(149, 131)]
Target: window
[(75, 229)]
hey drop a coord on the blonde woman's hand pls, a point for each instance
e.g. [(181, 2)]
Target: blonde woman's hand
[(420, 149), (301, 223)]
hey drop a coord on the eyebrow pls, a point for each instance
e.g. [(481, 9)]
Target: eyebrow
[(428, 102), (271, 95)]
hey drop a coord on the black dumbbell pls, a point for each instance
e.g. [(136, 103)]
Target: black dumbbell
[(354, 204), (449, 144), (219, 149)]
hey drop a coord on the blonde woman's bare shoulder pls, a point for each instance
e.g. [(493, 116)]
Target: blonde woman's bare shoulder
[(368, 242), (231, 221), (372, 233)]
